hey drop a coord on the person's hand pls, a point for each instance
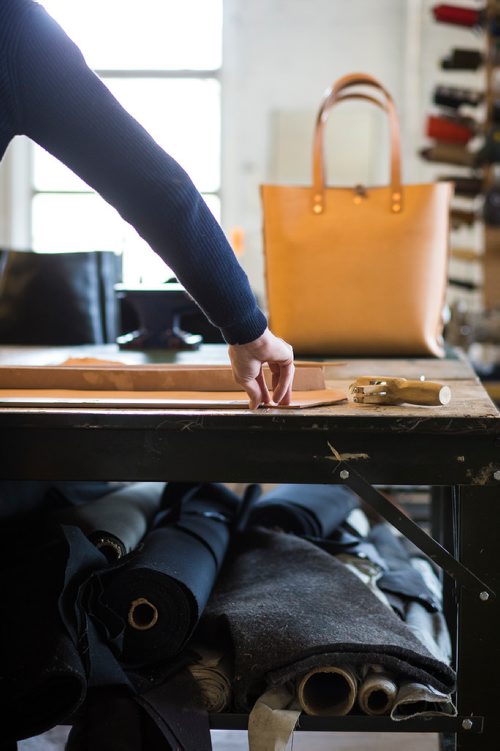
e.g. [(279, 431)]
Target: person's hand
[(247, 361)]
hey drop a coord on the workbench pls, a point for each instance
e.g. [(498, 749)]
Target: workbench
[(454, 449)]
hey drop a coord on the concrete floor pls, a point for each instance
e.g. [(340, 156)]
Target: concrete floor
[(228, 740)]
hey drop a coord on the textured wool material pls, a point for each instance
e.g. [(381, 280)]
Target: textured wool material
[(287, 607), (48, 93)]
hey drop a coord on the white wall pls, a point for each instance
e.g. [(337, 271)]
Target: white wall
[(279, 57)]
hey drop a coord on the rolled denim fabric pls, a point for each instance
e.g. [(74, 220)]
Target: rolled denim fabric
[(117, 522), (401, 577), (306, 510), (328, 691)]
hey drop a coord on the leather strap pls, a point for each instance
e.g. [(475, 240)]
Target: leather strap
[(336, 94)]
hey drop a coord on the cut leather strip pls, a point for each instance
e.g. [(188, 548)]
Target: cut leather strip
[(151, 377), (60, 398)]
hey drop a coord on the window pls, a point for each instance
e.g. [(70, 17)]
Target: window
[(161, 59)]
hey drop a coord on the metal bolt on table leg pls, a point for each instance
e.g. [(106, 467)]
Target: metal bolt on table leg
[(467, 724), (344, 474), (483, 596)]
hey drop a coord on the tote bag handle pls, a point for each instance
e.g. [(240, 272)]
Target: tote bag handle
[(334, 95)]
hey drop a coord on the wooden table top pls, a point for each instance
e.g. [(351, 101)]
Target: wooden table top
[(469, 401)]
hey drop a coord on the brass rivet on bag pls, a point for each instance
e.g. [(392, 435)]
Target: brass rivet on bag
[(317, 208), (396, 207), (357, 200)]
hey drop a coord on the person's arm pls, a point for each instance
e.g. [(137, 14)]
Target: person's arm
[(62, 105)]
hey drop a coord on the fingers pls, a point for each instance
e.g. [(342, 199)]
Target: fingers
[(282, 382), (257, 391), (254, 393), (264, 391), (247, 361)]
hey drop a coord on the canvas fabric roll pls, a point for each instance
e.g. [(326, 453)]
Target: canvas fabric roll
[(377, 691), (159, 591), (272, 720), (288, 607), (417, 700), (42, 678), (117, 521), (213, 673), (315, 510)]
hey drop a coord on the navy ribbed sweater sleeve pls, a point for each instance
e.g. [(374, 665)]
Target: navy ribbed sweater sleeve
[(62, 105)]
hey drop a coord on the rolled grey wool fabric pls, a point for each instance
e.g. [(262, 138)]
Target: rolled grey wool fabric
[(288, 607)]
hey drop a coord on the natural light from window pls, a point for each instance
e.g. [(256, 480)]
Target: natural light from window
[(161, 59)]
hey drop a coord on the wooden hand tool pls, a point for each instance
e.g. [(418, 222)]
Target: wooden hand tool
[(388, 390)]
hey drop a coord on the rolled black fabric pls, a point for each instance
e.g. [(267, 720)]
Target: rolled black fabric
[(400, 578), (118, 521), (315, 510), (160, 590), (42, 678), (288, 607), (165, 718)]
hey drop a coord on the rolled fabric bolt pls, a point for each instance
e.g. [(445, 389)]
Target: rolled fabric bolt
[(160, 590), (419, 700), (117, 522), (109, 545), (329, 691), (213, 674), (142, 615), (377, 693)]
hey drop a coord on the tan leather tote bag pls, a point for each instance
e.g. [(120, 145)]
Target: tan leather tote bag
[(357, 271)]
